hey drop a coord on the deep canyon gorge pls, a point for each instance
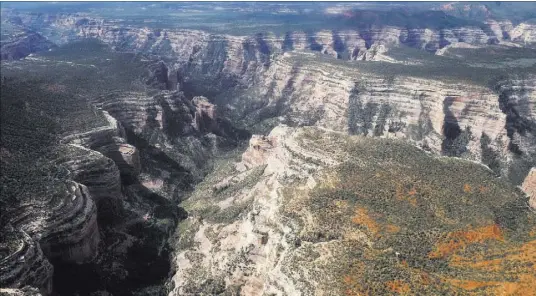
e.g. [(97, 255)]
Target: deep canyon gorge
[(380, 151)]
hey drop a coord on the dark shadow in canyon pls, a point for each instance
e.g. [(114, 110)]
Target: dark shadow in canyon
[(288, 43), (264, 49), (339, 46), (145, 264), (455, 139), (520, 127), (313, 45)]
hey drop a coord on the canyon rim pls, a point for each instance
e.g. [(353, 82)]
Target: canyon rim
[(326, 148)]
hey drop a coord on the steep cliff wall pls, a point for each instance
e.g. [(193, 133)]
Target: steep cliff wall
[(23, 262), (446, 116), (151, 148), (185, 131), (242, 53), (128, 156), (23, 44), (313, 212)]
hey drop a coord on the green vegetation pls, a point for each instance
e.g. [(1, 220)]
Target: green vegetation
[(417, 20), (85, 68), (399, 217), (48, 97), (490, 157), (421, 64)]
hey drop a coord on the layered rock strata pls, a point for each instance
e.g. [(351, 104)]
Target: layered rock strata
[(303, 213), (69, 231), (125, 156), (529, 186), (187, 131), (24, 44), (449, 117), (365, 43), (23, 263)]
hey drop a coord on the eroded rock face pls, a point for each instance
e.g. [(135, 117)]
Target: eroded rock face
[(99, 173), (125, 156), (185, 130), (529, 186), (26, 291), (23, 263), (359, 44), (66, 231), (447, 118), (451, 118), (309, 219), (171, 137), (99, 136), (24, 44), (69, 231), (257, 152)]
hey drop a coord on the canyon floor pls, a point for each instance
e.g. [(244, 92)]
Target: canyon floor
[(268, 149)]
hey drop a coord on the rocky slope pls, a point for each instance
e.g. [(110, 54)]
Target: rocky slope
[(529, 186), (455, 118), (362, 43), (253, 79), (23, 262), (303, 211), (448, 116), (98, 199), (24, 44), (311, 212), (187, 131)]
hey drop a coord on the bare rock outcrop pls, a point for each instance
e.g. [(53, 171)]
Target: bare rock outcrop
[(529, 186), (445, 116), (69, 232), (242, 54), (91, 168), (186, 130), (26, 291), (24, 44), (257, 152), (125, 156), (99, 136), (23, 263), (309, 219)]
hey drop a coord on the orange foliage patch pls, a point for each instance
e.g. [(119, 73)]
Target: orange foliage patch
[(351, 284), (362, 218), (398, 286), (391, 228), (532, 233), (478, 263), (468, 284), (399, 192), (483, 189), (348, 280), (467, 188), (460, 239), (523, 272), (413, 191), (400, 195)]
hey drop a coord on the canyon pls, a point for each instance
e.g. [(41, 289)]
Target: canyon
[(180, 161)]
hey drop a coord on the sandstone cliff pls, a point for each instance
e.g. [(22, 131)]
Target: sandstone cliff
[(80, 180), (24, 44), (311, 212), (264, 77), (529, 186), (243, 52), (269, 223)]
